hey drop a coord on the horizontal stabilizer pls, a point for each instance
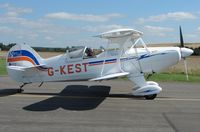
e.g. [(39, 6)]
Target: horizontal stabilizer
[(20, 68), (16, 68), (110, 76)]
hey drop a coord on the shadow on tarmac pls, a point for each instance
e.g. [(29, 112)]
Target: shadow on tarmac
[(72, 97), (8, 92)]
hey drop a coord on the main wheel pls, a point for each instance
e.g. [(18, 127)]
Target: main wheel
[(20, 90), (150, 97)]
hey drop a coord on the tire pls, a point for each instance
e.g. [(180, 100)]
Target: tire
[(20, 90), (150, 97)]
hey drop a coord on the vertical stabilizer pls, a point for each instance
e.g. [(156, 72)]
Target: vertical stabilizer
[(24, 56), (20, 58)]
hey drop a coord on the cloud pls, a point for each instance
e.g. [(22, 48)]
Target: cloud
[(156, 30), (198, 29), (83, 17), (49, 38), (197, 33), (17, 28), (191, 36), (15, 11), (42, 26), (176, 16), (5, 30), (102, 28), (12, 16)]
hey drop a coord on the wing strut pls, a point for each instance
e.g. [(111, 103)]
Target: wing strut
[(136, 42), (121, 42), (119, 37)]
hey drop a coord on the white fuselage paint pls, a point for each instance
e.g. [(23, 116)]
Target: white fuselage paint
[(60, 68)]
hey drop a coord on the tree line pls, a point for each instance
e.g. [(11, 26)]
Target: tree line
[(196, 51), (4, 47)]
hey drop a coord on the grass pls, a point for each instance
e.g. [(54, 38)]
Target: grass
[(173, 77), (193, 64), (3, 67), (170, 77)]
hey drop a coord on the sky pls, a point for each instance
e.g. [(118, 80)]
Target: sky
[(61, 23)]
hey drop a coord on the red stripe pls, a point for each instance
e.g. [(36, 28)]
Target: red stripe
[(95, 64), (110, 62), (20, 58)]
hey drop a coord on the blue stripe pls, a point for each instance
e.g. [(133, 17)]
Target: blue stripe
[(129, 58), (147, 55), (96, 62), (148, 91), (17, 53), (111, 60)]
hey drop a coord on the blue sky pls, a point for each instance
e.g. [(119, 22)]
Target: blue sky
[(62, 23)]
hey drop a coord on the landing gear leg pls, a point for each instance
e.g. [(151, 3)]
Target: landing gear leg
[(150, 74), (40, 84), (150, 97), (20, 90)]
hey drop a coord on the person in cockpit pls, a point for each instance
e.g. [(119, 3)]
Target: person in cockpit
[(89, 53)]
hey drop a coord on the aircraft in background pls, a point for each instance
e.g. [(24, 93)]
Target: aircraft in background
[(132, 58)]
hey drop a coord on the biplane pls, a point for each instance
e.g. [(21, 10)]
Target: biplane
[(130, 58)]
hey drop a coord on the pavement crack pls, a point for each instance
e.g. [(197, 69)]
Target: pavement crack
[(170, 122)]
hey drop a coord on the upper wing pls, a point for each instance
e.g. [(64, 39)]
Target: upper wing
[(119, 33)]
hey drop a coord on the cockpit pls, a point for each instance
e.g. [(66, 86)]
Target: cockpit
[(81, 53)]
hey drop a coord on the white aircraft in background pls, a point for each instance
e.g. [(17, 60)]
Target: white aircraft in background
[(132, 58)]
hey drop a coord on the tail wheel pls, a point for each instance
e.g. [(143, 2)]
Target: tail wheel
[(150, 97)]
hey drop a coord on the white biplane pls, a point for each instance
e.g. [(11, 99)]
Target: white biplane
[(132, 59)]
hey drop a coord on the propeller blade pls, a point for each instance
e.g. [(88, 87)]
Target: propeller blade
[(186, 69), (181, 37), (182, 56)]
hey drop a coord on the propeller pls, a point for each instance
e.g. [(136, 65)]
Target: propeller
[(181, 37), (183, 52)]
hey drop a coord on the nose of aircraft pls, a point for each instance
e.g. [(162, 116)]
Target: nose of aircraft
[(185, 52)]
